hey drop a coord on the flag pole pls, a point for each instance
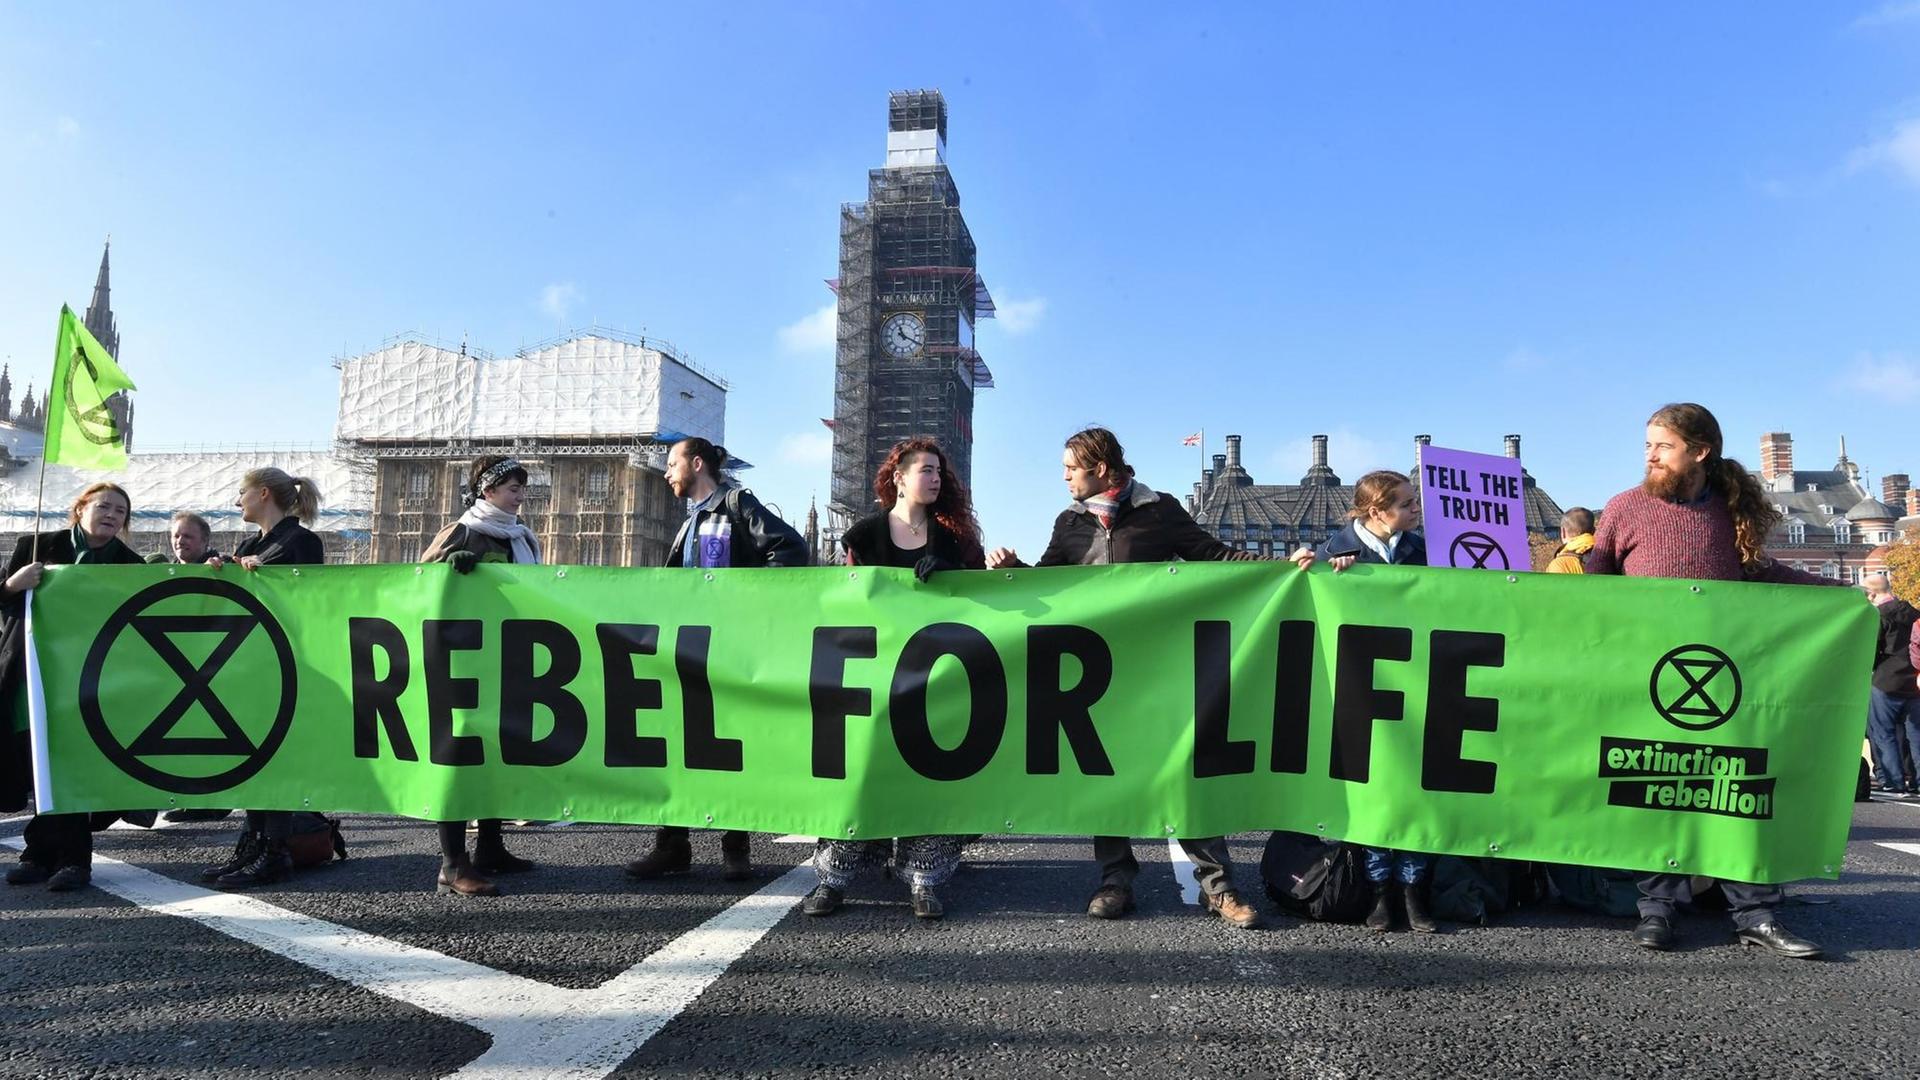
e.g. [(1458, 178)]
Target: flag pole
[(39, 501)]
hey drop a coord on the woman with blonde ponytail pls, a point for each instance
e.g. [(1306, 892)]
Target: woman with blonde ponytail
[(278, 505)]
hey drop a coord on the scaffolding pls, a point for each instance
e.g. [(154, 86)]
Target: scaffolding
[(590, 415), (906, 249)]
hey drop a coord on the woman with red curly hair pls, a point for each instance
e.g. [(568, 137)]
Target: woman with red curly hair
[(927, 526)]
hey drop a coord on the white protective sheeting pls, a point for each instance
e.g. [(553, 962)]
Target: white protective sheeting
[(587, 386), (205, 483)]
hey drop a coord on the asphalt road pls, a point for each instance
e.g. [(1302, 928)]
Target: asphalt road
[(357, 969)]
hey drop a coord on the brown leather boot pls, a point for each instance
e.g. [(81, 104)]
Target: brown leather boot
[(1232, 910), (460, 880)]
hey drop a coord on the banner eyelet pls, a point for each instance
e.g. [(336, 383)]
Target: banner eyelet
[(709, 576), (418, 570), (1512, 578), (1493, 847), (1173, 569), (559, 573), (709, 819), (296, 571), (1673, 863), (1694, 589)]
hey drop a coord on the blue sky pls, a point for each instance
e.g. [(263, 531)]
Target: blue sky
[(1368, 220)]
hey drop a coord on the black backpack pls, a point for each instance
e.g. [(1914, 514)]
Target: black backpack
[(1314, 878)]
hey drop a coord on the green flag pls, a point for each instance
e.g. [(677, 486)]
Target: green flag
[(81, 430)]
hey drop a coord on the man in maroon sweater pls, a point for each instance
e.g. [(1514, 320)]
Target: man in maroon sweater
[(1698, 514)]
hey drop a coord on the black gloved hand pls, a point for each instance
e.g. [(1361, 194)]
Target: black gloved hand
[(927, 566), (463, 562)]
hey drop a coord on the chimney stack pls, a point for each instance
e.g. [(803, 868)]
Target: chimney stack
[(1893, 489), (1513, 446), (1320, 451), (1776, 457), (1233, 451)]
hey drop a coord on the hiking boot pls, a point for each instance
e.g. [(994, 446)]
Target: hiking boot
[(1776, 939), (459, 879), (925, 904), (1232, 910), (661, 861), (1654, 932), (494, 858), (1110, 902), (243, 853), (69, 878), (1380, 919), (270, 863), (1419, 920), (823, 900), (28, 873), (735, 866)]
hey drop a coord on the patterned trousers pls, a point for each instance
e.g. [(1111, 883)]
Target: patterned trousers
[(922, 860)]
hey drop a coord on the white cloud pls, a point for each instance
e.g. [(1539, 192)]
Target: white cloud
[(1523, 359), (558, 299), (1019, 316), (1891, 377), (1888, 14), (814, 333), (1899, 151), (807, 448)]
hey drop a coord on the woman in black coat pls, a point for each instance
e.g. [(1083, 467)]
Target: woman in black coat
[(59, 846), (276, 504), (927, 526)]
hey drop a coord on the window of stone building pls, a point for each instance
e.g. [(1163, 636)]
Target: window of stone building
[(599, 484), (539, 483), (1796, 533), (410, 548), (419, 486), (592, 551), (1843, 532)]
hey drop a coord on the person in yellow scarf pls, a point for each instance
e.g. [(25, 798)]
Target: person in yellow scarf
[(1576, 529)]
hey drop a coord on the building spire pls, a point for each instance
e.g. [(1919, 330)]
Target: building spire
[(99, 321)]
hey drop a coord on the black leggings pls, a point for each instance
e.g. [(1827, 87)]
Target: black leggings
[(453, 838)]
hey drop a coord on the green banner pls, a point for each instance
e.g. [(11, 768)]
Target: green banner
[(1699, 727)]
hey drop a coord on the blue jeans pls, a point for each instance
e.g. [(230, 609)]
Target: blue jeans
[(1892, 720), (1408, 867)]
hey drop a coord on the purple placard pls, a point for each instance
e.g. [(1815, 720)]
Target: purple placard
[(1474, 509)]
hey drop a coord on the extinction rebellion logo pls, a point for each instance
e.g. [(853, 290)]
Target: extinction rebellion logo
[(1695, 688), (153, 699)]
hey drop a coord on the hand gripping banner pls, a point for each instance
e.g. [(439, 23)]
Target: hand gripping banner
[(1696, 727)]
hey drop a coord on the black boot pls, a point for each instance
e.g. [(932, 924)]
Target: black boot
[(270, 863), (665, 858), (1380, 919), (243, 853), (490, 856), (1418, 920)]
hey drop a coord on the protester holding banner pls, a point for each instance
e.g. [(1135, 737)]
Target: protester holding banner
[(1576, 540), (1379, 529), (725, 526), (1114, 518), (59, 847), (489, 531), (277, 504), (1698, 514), (1893, 712), (928, 526)]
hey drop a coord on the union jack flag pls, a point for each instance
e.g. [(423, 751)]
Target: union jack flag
[(1191, 440)]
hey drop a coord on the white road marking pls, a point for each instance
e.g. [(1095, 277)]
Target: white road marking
[(1183, 872), (1904, 848), (794, 838), (538, 1031)]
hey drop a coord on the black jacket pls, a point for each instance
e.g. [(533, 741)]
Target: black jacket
[(1892, 663), (56, 549), (286, 544), (1148, 527), (758, 537), (1410, 551), (868, 542)]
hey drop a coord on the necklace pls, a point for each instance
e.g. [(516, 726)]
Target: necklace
[(912, 529)]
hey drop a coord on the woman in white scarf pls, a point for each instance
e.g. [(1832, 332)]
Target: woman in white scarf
[(489, 531)]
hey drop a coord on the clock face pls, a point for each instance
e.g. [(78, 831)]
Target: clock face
[(903, 334)]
